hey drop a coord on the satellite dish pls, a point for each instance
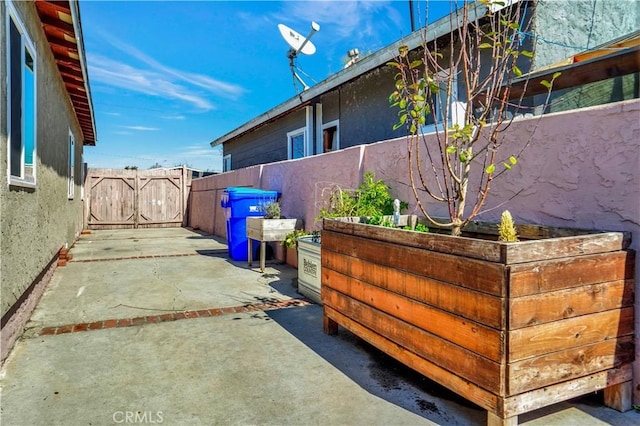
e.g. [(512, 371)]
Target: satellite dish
[(296, 41), (298, 44)]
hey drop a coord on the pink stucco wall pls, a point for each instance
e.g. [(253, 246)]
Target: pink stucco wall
[(581, 170)]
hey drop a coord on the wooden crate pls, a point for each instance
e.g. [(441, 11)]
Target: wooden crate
[(510, 326)]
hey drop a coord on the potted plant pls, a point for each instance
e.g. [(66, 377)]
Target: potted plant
[(290, 243), (511, 326)]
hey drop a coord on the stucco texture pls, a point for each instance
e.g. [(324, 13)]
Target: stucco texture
[(36, 223)]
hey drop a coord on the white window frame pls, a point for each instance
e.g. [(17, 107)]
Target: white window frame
[(26, 177), (305, 142), (226, 163), (336, 124), (457, 108), (71, 189)]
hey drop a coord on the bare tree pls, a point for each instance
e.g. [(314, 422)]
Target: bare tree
[(460, 90)]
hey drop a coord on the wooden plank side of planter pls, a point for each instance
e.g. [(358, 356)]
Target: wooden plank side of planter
[(469, 247), (529, 401), (551, 248), (569, 333), (466, 364), (534, 373), (476, 306), (573, 302), (261, 229), (477, 338), (550, 275), (475, 274), (462, 387)]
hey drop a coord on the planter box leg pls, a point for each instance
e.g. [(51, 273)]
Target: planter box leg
[(619, 397), (329, 325), (495, 420)]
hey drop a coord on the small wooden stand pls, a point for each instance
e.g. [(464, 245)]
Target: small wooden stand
[(264, 230)]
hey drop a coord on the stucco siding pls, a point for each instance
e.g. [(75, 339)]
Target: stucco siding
[(36, 223)]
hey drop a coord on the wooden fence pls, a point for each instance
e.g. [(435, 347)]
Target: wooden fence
[(155, 198)]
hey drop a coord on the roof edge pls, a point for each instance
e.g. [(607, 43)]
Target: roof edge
[(439, 28), (77, 26)]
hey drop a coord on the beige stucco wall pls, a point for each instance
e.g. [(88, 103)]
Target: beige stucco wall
[(581, 170), (35, 224)]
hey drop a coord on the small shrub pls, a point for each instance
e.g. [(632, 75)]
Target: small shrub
[(272, 210)]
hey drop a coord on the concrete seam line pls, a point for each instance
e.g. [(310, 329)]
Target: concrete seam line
[(160, 318)]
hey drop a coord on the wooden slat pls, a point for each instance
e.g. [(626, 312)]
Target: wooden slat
[(470, 335), (474, 305), (261, 229), (570, 333), (539, 398), (552, 306), (474, 248), (568, 364), (540, 277), (552, 248), (466, 364), (462, 387), (476, 274)]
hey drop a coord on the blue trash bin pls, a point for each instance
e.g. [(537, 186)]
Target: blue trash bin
[(239, 203)]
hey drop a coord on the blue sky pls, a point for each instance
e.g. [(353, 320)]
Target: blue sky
[(168, 77)]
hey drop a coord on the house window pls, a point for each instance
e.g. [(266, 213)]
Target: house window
[(21, 103), (71, 174), (226, 163), (330, 136), (297, 143), (434, 120)]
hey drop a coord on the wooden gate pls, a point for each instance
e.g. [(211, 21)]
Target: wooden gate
[(153, 198)]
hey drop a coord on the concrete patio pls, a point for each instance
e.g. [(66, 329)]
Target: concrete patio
[(161, 326)]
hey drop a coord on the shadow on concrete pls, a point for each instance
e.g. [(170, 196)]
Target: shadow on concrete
[(375, 371)]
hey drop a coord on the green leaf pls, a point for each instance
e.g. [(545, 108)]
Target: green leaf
[(415, 64), (451, 149), (514, 26), (546, 84), (513, 160), (527, 53), (507, 166), (485, 46), (556, 74), (490, 169), (517, 71)]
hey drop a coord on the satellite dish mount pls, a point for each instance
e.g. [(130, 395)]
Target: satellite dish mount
[(298, 44)]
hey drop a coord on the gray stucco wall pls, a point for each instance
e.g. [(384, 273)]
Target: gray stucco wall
[(566, 27), (36, 223)]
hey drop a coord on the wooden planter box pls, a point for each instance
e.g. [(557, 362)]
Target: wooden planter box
[(512, 327), (263, 230)]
